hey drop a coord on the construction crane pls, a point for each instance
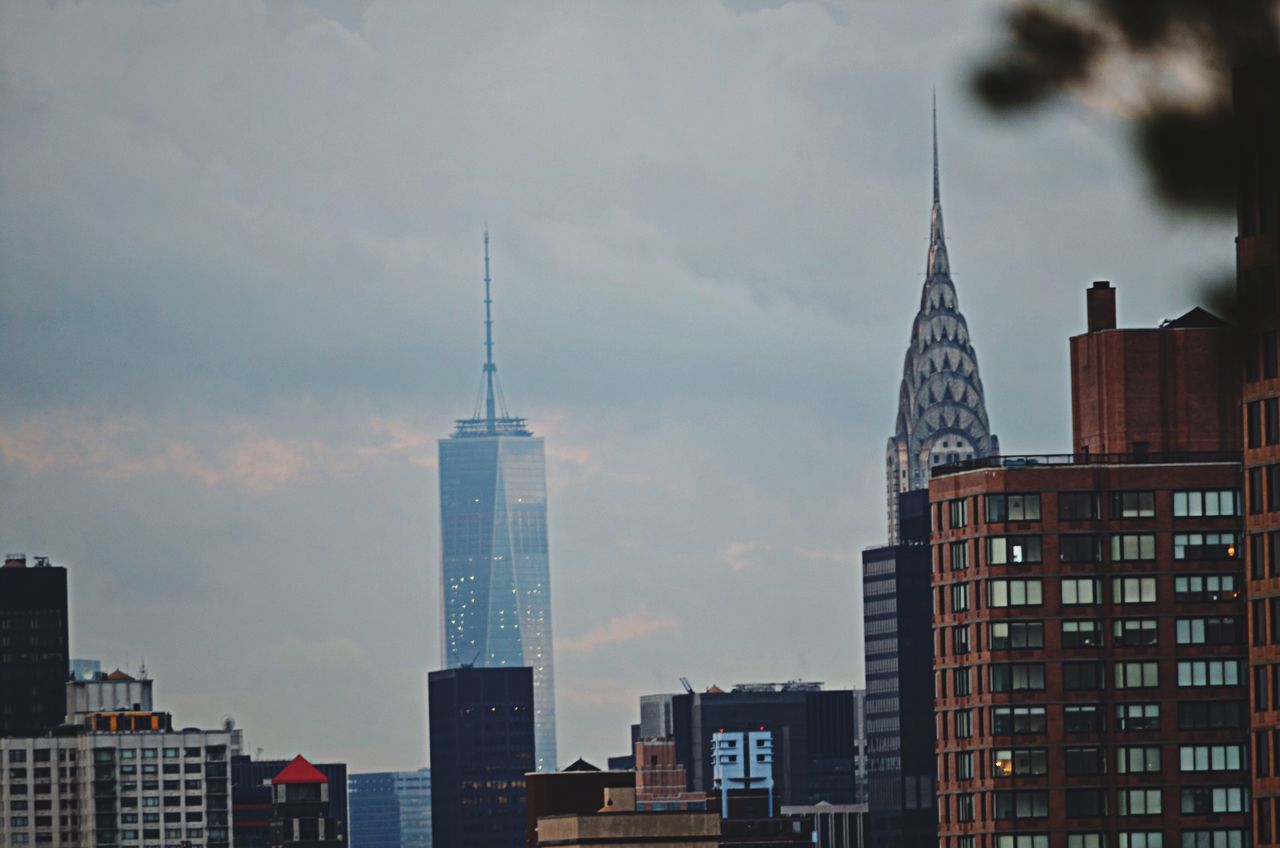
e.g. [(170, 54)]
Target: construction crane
[(684, 681)]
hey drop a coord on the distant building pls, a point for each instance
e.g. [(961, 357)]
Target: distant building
[(814, 733), (300, 810), (33, 645), (495, 575), (835, 825), (482, 745), (616, 821), (85, 669), (942, 409), (578, 788), (860, 737), (1257, 119), (1089, 635), (249, 775), (897, 604), (628, 760), (742, 762), (661, 781), (114, 692), (390, 809)]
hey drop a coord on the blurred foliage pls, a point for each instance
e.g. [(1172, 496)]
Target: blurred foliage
[(1163, 64)]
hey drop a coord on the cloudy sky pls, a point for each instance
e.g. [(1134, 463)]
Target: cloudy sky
[(240, 301)]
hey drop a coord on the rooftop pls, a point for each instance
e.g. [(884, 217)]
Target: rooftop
[(299, 771), (471, 427), (1058, 459)]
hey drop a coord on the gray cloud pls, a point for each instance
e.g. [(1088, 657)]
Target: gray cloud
[(239, 254)]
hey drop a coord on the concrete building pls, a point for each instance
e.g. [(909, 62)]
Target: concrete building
[(942, 412), (1257, 99), (495, 569), (813, 731), (114, 692), (1089, 629), (897, 605), (33, 645), (617, 822), (577, 789), (482, 745), (89, 788), (834, 825), (661, 781)]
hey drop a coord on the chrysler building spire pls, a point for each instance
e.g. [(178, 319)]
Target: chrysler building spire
[(942, 412)]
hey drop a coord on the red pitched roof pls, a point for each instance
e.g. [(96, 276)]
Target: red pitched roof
[(299, 771)]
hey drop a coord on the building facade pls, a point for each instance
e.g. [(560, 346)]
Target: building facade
[(374, 809), (942, 411), (83, 788), (248, 775), (1257, 98), (301, 812), (495, 575), (34, 658), (897, 603), (1089, 631), (482, 744)]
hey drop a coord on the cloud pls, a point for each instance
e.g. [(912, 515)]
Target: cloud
[(620, 629), (740, 555)]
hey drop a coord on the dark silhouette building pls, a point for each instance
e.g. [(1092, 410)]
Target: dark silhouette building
[(897, 605), (34, 658), (1257, 107), (1090, 667), (482, 745), (578, 789), (248, 776), (814, 733)]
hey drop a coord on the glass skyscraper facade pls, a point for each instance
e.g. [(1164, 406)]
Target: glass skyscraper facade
[(495, 575)]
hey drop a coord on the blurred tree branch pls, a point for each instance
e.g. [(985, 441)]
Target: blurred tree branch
[(1164, 64)]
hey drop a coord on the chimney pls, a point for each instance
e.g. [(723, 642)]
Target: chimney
[(15, 560), (1101, 306)]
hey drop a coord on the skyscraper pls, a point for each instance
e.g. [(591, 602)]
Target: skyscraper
[(942, 413), (495, 576), (33, 645)]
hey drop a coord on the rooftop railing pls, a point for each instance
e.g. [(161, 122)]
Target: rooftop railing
[(1085, 458)]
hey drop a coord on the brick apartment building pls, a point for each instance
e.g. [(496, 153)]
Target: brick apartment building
[(1089, 627), (1257, 96)]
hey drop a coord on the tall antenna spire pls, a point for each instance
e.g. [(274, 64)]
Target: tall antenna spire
[(489, 367), (937, 195)]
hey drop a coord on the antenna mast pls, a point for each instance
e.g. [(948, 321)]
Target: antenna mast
[(937, 195), (489, 367)]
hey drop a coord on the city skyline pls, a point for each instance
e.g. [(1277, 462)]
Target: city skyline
[(239, 338)]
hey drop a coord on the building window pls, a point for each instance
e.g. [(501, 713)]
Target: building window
[(1215, 839), (1211, 502), (1133, 590), (1201, 588), (1013, 508), (1137, 675), (1255, 491), (1133, 504), (1019, 762), (1208, 673), (960, 639), (1081, 590), (964, 724), (961, 682), (1080, 547), (1082, 634), (1137, 717), (964, 765), (1083, 718), (964, 808), (1086, 803), (1221, 630), (1140, 802), (1006, 635), (1132, 632), (1086, 840), (1017, 677), (1013, 550), (1204, 800), (1255, 424), (1142, 839), (1204, 545), (1211, 758), (1015, 593), (959, 513), (959, 556), (1210, 715), (959, 597), (1078, 506), (1017, 721), (1022, 840), (1138, 758), (1082, 676), (1026, 804), (1133, 547), (1084, 761)]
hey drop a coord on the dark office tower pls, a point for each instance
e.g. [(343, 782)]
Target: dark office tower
[(495, 579), (300, 815), (1257, 101), (33, 646), (897, 602), (942, 413), (482, 745), (1090, 652)]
